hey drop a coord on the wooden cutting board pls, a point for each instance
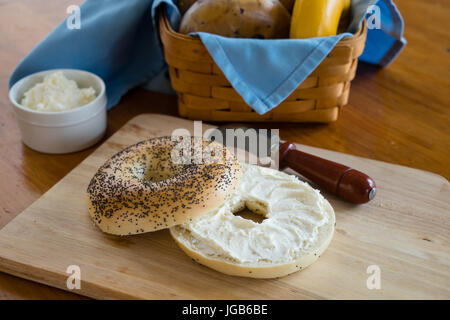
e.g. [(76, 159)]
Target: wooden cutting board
[(404, 231)]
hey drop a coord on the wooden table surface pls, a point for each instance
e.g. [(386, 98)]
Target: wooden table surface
[(400, 114)]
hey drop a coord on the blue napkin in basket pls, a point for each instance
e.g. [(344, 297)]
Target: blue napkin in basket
[(118, 40)]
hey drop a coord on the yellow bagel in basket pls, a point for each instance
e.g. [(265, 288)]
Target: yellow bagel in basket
[(318, 18)]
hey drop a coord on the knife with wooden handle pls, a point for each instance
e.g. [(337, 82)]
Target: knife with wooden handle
[(345, 182), (338, 179)]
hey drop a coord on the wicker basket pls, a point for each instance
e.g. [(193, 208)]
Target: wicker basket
[(205, 94)]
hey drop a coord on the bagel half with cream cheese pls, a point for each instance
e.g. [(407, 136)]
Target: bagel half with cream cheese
[(156, 184), (298, 227)]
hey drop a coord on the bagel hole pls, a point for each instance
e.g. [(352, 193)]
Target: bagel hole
[(253, 210), (154, 176), (161, 170)]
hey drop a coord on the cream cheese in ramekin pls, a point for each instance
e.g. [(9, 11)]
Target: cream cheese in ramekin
[(57, 93)]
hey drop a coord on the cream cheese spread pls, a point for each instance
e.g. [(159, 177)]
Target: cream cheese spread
[(293, 211), (57, 93)]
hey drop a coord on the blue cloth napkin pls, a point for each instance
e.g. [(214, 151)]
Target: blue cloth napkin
[(118, 41)]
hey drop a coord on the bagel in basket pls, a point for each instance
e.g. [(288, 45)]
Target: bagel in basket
[(298, 226), (260, 19), (142, 188)]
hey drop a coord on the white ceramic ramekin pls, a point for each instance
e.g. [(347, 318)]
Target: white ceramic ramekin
[(61, 131)]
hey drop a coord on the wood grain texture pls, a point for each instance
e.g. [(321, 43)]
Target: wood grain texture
[(399, 114), (405, 231)]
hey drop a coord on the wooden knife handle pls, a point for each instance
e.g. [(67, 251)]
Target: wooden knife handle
[(347, 183)]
